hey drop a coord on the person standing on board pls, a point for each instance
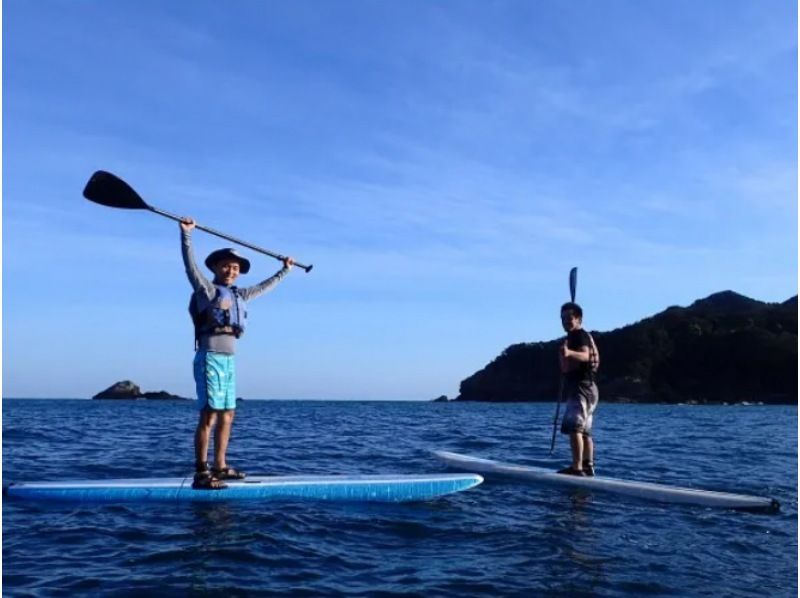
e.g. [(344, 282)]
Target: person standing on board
[(219, 312), (579, 361)]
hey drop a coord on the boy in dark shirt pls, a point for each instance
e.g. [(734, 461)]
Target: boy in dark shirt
[(579, 360)]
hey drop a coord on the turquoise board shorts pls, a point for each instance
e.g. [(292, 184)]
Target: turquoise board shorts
[(215, 379)]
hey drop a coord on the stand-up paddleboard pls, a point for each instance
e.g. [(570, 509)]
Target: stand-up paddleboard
[(354, 488), (660, 492)]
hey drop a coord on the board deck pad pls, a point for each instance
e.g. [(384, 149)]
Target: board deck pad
[(646, 490), (353, 488)]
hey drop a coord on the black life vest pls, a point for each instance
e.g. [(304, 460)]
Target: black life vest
[(593, 365), (594, 356)]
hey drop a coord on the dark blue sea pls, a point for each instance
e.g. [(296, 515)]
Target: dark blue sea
[(502, 538)]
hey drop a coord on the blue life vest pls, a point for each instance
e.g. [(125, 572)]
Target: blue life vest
[(211, 317)]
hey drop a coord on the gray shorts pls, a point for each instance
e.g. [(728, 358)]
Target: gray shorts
[(581, 402)]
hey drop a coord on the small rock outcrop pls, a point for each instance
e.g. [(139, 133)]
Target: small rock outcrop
[(126, 389), (160, 395), (120, 390)]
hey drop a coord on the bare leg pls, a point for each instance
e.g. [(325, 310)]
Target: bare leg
[(202, 435), (576, 443), (588, 449), (221, 437)]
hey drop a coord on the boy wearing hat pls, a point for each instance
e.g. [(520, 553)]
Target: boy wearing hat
[(219, 312)]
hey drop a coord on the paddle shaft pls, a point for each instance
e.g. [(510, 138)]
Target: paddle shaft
[(230, 238), (558, 410), (573, 287)]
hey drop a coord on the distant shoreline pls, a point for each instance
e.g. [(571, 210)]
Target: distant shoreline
[(689, 403)]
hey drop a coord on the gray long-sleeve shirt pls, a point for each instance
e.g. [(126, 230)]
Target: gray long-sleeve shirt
[(220, 343)]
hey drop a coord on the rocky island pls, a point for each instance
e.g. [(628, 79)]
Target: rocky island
[(126, 389)]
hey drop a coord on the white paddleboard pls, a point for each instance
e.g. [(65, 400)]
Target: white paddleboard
[(647, 490)]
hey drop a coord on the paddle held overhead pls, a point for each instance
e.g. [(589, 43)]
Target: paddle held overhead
[(110, 190)]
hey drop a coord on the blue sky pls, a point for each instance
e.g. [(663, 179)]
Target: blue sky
[(442, 165)]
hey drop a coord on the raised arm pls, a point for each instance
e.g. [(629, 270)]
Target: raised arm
[(267, 285), (193, 273)]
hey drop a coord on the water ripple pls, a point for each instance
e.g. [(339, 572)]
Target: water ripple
[(500, 539)]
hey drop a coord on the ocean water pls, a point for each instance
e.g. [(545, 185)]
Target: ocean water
[(503, 538)]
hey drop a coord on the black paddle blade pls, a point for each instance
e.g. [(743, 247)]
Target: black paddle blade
[(109, 190), (573, 283)]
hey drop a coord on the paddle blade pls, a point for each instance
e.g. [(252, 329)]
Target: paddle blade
[(573, 283), (109, 190)]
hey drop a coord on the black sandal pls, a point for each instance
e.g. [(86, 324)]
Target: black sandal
[(588, 469), (228, 473), (570, 471), (205, 480)]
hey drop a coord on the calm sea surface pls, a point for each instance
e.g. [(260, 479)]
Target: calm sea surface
[(499, 539)]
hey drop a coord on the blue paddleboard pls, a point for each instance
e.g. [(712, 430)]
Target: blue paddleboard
[(353, 488)]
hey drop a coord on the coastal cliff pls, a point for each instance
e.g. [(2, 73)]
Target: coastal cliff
[(724, 348)]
